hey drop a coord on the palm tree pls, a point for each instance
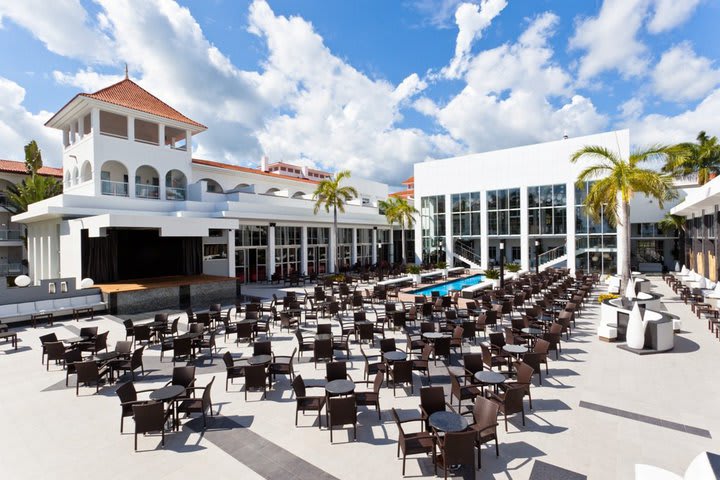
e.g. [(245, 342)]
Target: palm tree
[(671, 224), (329, 194), (701, 159), (616, 182), (399, 210), (36, 187)]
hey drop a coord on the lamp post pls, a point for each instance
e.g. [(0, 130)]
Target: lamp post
[(537, 256), (502, 263)]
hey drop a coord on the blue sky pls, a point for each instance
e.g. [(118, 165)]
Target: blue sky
[(373, 86)]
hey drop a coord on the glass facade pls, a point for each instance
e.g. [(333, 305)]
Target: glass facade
[(596, 242), (466, 214), (317, 249), (547, 210), (251, 253), (503, 212), (432, 224), (287, 250)]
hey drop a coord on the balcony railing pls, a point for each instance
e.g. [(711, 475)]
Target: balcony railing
[(7, 269), (116, 189), (174, 193), (9, 235), (147, 191)]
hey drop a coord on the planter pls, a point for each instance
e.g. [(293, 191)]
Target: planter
[(445, 273), (495, 282), (416, 278)]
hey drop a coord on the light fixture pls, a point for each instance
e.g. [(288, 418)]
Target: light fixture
[(502, 245), (537, 243)]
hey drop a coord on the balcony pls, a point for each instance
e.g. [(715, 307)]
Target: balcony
[(147, 191), (115, 189), (173, 193), (10, 235), (8, 269)]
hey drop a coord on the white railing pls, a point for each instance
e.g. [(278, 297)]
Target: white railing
[(175, 193), (11, 235), (147, 191), (116, 189), (114, 135)]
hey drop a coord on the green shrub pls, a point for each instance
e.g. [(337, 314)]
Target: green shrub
[(492, 274)]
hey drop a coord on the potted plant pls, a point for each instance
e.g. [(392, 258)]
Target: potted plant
[(414, 271), (493, 275), (444, 267), (513, 268)]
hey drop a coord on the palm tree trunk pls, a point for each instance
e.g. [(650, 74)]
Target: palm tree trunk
[(337, 245), (623, 238), (402, 236)]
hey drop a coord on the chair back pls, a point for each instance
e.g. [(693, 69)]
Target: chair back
[(262, 348), (336, 371), (183, 376), (524, 372), (244, 330), (149, 417), (255, 376), (541, 346), (323, 349), (161, 317), (491, 317), (228, 359), (206, 400), (485, 413), (473, 362), (86, 371), (497, 339), (359, 316), (509, 336), (324, 328), (142, 332), (90, 332), (203, 319), (137, 358), (468, 329), (182, 347), (432, 399), (55, 350), (101, 341), (387, 345), (514, 400), (126, 392), (128, 326), (402, 371), (366, 331), (298, 386), (427, 327), (50, 337), (377, 383), (343, 410), (442, 346), (215, 307), (486, 355), (457, 333), (72, 356), (459, 448), (123, 347)]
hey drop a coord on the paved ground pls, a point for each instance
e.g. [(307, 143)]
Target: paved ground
[(599, 412)]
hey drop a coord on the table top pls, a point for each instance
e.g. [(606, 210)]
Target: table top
[(323, 336), (532, 331), (190, 335), (448, 422), (434, 335), (363, 322), (8, 334), (259, 359), (167, 393), (153, 324), (104, 357), (515, 348), (74, 339), (486, 376), (395, 356), (339, 387)]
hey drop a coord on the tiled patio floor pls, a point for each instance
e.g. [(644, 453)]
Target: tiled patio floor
[(600, 411)]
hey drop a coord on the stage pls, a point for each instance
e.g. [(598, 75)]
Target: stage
[(177, 292)]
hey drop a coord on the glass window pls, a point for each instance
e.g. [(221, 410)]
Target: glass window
[(492, 200), (533, 200), (560, 195), (492, 223)]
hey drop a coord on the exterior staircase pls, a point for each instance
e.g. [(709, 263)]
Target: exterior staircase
[(466, 255), (552, 257)]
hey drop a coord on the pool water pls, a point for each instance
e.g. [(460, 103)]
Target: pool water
[(444, 288)]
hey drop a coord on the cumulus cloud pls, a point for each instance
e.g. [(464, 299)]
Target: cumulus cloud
[(18, 126), (610, 40), (86, 79), (668, 14), (681, 75), (471, 20), (437, 13)]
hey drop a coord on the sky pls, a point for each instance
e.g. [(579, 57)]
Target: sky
[(372, 86)]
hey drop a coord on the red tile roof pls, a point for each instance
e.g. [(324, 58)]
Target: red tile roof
[(129, 94), (409, 181), (11, 166), (255, 171), (403, 193)]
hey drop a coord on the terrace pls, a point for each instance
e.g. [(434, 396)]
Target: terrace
[(597, 413)]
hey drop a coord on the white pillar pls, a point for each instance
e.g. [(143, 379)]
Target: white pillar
[(484, 239), (231, 252), (332, 251), (66, 137), (449, 244), (95, 120), (374, 259), (80, 128), (131, 128), (72, 132), (353, 248), (303, 250), (570, 245), (524, 230), (392, 245), (161, 135), (271, 251)]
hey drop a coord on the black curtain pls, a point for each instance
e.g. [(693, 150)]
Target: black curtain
[(191, 256), (99, 257)]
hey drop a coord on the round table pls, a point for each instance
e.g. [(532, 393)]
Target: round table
[(395, 356), (340, 387), (168, 393), (189, 335), (434, 335), (515, 349), (448, 422), (72, 340), (487, 377), (259, 359), (532, 331)]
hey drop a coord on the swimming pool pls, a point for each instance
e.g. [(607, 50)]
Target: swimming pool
[(444, 288)]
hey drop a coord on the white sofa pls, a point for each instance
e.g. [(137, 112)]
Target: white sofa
[(18, 312)]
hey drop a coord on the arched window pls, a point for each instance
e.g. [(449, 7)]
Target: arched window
[(147, 182), (86, 172), (175, 185), (299, 195), (212, 186), (114, 179)]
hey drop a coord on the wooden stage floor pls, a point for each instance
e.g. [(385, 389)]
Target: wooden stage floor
[(158, 282)]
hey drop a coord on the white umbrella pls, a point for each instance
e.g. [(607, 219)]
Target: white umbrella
[(702, 283), (630, 289), (635, 334)]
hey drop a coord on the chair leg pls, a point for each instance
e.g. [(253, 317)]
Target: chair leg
[(136, 441), (497, 447)]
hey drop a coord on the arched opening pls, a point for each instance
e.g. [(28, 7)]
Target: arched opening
[(175, 185), (86, 172), (68, 180), (147, 182), (212, 186), (75, 176), (300, 195), (273, 191), (114, 179), (4, 185), (244, 188)]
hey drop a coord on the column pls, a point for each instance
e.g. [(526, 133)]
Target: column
[(80, 129), (524, 231), (131, 128), (484, 240), (392, 245), (374, 240), (231, 252), (332, 251), (449, 244), (271, 251), (161, 134), (353, 248), (95, 120), (570, 244), (72, 132), (303, 250)]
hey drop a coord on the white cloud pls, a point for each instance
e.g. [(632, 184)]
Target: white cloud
[(471, 20), (683, 127), (62, 25), (668, 14), (18, 126), (610, 40), (631, 109), (438, 13), (86, 79), (681, 75)]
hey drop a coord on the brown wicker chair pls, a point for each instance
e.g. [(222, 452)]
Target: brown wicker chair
[(71, 357), (244, 332), (182, 348), (323, 350), (150, 417), (135, 362), (432, 399), (303, 345), (342, 343), (184, 376), (441, 348), (372, 397), (473, 363), (371, 366), (55, 351), (510, 402), (342, 411), (128, 397), (282, 365), (419, 443), (88, 372), (401, 372), (456, 449), (336, 371), (198, 405), (461, 392), (44, 340), (256, 378), (303, 402), (233, 371), (422, 364), (485, 424)]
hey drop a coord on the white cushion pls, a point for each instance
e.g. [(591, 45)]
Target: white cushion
[(78, 301), (8, 310), (44, 305), (677, 324), (26, 308), (97, 298), (61, 303)]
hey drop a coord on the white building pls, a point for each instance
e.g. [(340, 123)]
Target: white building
[(136, 204), (471, 204)]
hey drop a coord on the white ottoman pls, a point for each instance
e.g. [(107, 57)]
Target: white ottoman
[(607, 333)]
